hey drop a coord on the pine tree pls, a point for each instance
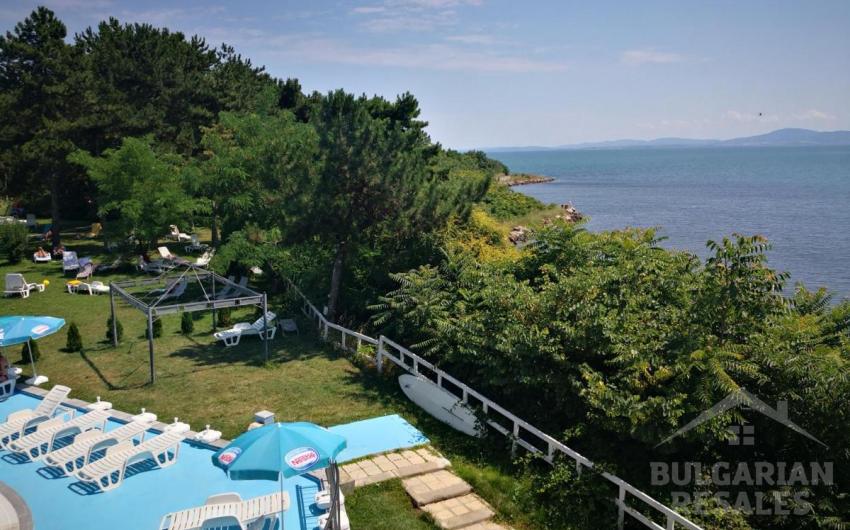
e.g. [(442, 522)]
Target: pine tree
[(74, 341)]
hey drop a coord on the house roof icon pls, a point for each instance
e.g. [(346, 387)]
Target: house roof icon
[(742, 398)]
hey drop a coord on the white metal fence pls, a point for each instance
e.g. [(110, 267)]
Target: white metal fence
[(520, 432)]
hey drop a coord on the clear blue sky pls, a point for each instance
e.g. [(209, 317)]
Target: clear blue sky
[(504, 72)]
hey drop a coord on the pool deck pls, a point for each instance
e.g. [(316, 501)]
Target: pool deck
[(59, 503)]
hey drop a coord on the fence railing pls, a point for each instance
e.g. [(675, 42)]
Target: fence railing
[(520, 432)]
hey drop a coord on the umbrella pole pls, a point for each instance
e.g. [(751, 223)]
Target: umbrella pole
[(281, 500), (34, 380)]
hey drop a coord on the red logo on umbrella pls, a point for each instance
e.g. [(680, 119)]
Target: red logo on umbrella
[(226, 458)]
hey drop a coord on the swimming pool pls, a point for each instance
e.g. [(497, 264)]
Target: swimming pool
[(140, 503)]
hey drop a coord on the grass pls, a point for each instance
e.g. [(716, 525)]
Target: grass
[(385, 506), (202, 382)]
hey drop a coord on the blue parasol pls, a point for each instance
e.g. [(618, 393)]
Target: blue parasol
[(281, 450), (23, 329)]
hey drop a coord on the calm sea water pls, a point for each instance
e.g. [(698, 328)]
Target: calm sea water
[(798, 197)]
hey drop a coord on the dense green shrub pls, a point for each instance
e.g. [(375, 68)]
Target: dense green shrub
[(157, 329), (74, 341), (25, 352), (222, 317), (504, 203), (618, 342), (13, 241), (187, 323), (118, 327)]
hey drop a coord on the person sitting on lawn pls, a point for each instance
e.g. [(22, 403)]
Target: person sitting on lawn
[(4, 369), (58, 251), (41, 253)]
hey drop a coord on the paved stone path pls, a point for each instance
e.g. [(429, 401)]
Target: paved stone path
[(459, 512), (434, 489)]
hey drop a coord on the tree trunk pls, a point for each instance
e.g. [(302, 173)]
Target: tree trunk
[(55, 216), (214, 227), (336, 279)]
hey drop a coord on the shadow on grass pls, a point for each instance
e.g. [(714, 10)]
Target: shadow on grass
[(109, 384), (250, 351)]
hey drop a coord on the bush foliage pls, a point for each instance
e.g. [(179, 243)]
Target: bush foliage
[(74, 341), (13, 241)]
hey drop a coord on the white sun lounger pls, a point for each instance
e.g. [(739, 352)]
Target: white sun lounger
[(73, 457), (195, 245), (323, 499), (16, 284), (17, 423), (226, 509), (42, 259), (36, 444), (232, 336), (230, 290), (179, 236), (94, 287), (108, 473)]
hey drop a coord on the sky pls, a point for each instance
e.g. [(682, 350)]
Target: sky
[(516, 73)]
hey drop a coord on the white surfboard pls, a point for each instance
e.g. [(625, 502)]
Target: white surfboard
[(441, 404)]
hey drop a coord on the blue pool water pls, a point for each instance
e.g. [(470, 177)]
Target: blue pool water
[(144, 498)]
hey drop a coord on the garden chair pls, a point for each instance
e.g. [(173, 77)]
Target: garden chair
[(196, 244), (70, 262), (16, 284)]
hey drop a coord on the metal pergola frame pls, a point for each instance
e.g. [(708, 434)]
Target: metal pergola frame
[(240, 296)]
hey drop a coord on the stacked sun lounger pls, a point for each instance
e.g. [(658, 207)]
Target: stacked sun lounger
[(20, 422), (108, 473), (73, 457), (38, 443)]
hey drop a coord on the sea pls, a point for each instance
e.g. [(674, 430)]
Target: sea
[(798, 197)]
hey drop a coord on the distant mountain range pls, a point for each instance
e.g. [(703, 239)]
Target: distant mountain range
[(781, 137)]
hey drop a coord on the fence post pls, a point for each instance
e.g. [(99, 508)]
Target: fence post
[(621, 503), (671, 523), (379, 356), (325, 332)]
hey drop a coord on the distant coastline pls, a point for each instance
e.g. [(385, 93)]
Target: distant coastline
[(521, 179), (778, 138)]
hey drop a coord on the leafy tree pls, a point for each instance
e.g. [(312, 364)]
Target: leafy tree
[(148, 81), (140, 192), (39, 96), (255, 169), (375, 179)]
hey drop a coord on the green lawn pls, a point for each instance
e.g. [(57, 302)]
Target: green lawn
[(202, 382)]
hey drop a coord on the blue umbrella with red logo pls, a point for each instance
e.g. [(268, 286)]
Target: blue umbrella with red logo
[(283, 450)]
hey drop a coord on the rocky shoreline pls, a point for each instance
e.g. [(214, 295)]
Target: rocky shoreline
[(519, 234), (521, 179)]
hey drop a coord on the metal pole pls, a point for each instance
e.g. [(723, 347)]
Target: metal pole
[(150, 345), (114, 324), (32, 361), (212, 276), (265, 327)]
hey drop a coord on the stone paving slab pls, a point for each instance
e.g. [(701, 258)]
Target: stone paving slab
[(459, 512), (486, 525), (400, 464), (434, 487)]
